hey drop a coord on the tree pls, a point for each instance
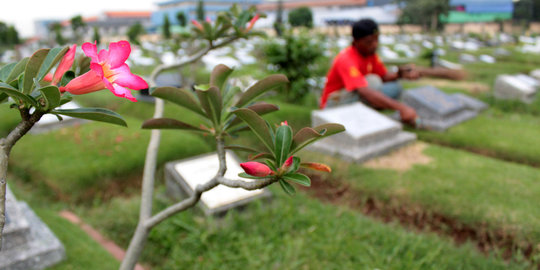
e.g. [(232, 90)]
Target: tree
[(8, 35), (96, 37), (278, 24), (77, 23), (166, 27), (200, 10), (181, 18), (424, 12), (134, 32), (57, 29), (301, 16)]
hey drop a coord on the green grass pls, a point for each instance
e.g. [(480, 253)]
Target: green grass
[(286, 233), (79, 162), (470, 188), (507, 136)]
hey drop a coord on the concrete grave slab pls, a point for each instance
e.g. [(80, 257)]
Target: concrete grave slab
[(368, 133), (512, 87), (470, 102), (437, 110), (50, 122), (27, 242), (183, 176)]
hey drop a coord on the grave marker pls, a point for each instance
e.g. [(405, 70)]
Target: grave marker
[(183, 176), (368, 133), (27, 243), (512, 87), (436, 109), (50, 122)]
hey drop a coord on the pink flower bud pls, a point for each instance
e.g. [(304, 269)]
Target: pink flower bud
[(284, 123), (197, 24), (316, 166), (252, 22), (65, 64), (256, 168), (288, 162)]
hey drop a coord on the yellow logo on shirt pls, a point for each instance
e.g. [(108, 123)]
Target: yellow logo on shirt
[(354, 72)]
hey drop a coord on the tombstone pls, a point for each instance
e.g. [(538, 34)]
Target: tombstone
[(27, 242), (487, 59), (447, 64), (183, 176), (501, 52), (470, 102), (387, 53), (528, 80), (436, 109), (512, 87), (368, 133), (173, 79), (467, 58), (535, 74), (50, 122)]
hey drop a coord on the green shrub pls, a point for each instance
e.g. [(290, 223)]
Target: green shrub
[(301, 16)]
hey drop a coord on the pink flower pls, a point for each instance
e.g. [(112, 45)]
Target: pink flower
[(252, 22), (197, 24), (256, 168), (107, 70), (284, 123), (65, 65)]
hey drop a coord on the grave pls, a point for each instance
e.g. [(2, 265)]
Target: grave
[(368, 133), (535, 74), (183, 176), (436, 109), (470, 102), (467, 58), (512, 87), (27, 242), (487, 59), (50, 122)]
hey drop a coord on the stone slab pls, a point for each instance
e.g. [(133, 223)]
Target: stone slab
[(368, 133), (183, 176), (17, 227), (436, 109), (512, 87), (535, 74), (471, 103), (41, 250), (50, 122)]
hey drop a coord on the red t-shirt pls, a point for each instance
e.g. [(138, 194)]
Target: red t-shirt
[(348, 71)]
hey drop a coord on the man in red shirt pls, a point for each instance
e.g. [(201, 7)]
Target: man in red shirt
[(351, 66)]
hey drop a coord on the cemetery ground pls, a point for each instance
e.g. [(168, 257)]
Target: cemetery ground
[(468, 200)]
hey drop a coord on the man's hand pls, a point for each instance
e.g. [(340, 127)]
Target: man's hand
[(408, 115), (408, 72)]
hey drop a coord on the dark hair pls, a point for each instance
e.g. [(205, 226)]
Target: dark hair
[(364, 27)]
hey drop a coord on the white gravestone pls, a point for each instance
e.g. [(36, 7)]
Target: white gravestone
[(183, 176), (535, 74), (50, 122), (512, 87), (27, 243), (367, 132), (437, 110)]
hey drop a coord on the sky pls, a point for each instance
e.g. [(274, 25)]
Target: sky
[(22, 13)]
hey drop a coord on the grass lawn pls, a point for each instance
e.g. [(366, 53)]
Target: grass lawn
[(473, 189), (295, 232)]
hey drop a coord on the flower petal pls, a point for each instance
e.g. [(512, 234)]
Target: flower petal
[(118, 53), (125, 78), (256, 168), (65, 64), (86, 83), (97, 68), (91, 51), (120, 91), (103, 56)]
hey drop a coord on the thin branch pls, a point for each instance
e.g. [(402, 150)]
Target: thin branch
[(252, 185)]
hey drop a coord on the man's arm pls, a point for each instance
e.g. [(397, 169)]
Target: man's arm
[(379, 101), (409, 72)]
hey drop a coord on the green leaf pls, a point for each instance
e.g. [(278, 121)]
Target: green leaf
[(283, 143), (295, 165), (51, 94), (54, 55), (257, 125), (260, 108), (229, 94), (95, 114), (298, 178), (67, 77), (261, 87), (308, 135), (270, 164), (17, 70), (288, 188), (245, 175), (3, 97), (66, 97), (179, 96), (211, 103), (16, 95), (219, 75), (32, 68), (168, 123), (6, 70)]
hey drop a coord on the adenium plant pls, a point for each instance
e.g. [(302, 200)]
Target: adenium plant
[(29, 87)]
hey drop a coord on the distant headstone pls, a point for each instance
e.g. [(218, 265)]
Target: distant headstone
[(436, 109), (535, 74), (512, 87), (447, 64), (368, 133), (173, 79), (467, 58), (487, 59), (183, 176), (470, 102), (27, 243), (50, 122), (501, 52)]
